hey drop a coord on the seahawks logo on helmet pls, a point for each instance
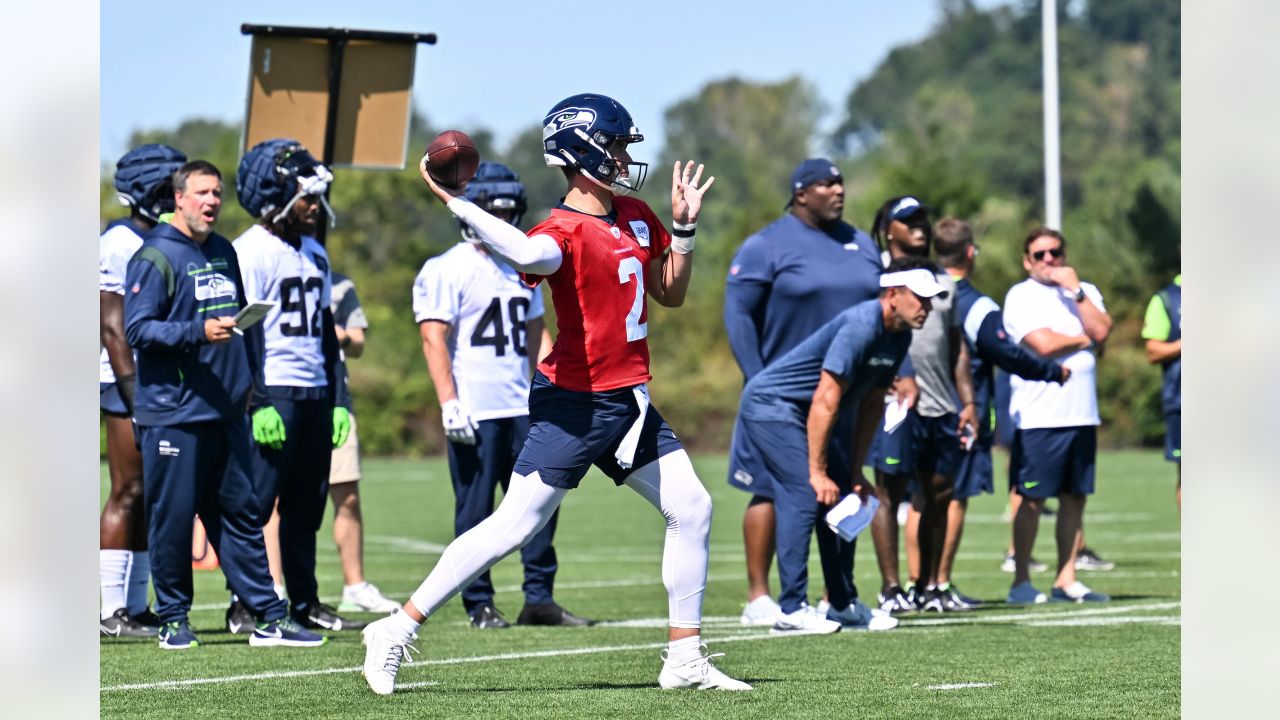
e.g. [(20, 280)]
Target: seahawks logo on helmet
[(570, 117)]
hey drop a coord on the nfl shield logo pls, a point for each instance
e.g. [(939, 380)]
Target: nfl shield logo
[(640, 229)]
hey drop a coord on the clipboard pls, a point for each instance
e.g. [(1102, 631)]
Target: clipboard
[(251, 315)]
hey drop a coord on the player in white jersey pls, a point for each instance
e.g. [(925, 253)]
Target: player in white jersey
[(296, 421), (124, 565), (481, 330)]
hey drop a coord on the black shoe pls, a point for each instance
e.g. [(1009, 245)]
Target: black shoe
[(958, 600), (894, 600), (1087, 559), (316, 615), (934, 600), (551, 614), (239, 620), (916, 597), (487, 617), (148, 618), (120, 625)]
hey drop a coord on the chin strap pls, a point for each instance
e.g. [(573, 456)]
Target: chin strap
[(315, 185)]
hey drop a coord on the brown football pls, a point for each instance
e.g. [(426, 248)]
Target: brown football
[(452, 158)]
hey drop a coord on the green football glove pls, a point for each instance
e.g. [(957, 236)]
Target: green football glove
[(268, 427), (341, 426)]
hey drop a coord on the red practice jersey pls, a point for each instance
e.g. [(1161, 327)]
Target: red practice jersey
[(599, 295)]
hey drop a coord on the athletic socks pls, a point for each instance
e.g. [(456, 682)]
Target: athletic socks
[(403, 625), (683, 650), (137, 582), (113, 572)]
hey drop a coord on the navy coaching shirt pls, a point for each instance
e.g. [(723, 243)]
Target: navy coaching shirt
[(789, 279), (854, 346)]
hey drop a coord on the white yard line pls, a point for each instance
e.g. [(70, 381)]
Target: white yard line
[(961, 686), (1040, 619)]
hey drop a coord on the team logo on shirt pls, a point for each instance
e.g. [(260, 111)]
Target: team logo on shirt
[(214, 285), (640, 229), (880, 361)]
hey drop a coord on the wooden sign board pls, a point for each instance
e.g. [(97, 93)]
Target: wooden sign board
[(289, 97)]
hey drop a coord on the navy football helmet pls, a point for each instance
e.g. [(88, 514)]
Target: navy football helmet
[(274, 174), (588, 132), (495, 187), (144, 179)]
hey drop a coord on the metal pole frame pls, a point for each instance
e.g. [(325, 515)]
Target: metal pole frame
[(1052, 152)]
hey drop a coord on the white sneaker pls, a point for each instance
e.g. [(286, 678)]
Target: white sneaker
[(383, 653), (860, 617), (823, 607), (1034, 566), (805, 621), (1024, 593), (698, 674), (761, 612), (366, 598)]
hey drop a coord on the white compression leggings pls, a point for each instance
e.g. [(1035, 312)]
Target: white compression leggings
[(669, 484)]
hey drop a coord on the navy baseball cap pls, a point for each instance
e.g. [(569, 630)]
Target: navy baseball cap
[(811, 171), (906, 207)]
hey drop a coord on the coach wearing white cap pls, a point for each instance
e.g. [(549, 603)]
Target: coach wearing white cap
[(785, 422)]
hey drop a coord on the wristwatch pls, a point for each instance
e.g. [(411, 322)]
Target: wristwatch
[(1079, 296)]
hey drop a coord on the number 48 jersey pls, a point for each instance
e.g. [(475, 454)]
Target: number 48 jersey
[(297, 280), (487, 308)]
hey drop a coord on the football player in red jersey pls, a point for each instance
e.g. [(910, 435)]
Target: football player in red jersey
[(600, 253)]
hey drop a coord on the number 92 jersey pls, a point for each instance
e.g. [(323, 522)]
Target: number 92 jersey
[(298, 281), (599, 295), (487, 308)]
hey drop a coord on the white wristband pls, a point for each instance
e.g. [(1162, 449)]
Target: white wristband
[(682, 245)]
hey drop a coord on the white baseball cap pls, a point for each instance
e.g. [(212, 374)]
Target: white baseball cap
[(918, 280)]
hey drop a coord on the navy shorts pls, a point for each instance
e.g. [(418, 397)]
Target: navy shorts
[(110, 401), (1173, 437), (1046, 462), (975, 476), (919, 443), (569, 431)]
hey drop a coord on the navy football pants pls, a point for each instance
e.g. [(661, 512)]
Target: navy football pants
[(298, 474), (204, 468), (477, 471)]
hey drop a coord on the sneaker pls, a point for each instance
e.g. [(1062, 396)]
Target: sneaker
[(120, 625), (1087, 559), (805, 621), (860, 617), (823, 606), (915, 597), (550, 614), (1077, 592), (958, 600), (285, 632), (366, 597), (1024, 593), (315, 614), (239, 619), (698, 674), (1034, 566), (177, 636), (487, 617), (895, 600), (933, 600), (761, 612), (148, 618), (383, 653)]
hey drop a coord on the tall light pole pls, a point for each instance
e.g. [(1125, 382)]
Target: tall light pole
[(1052, 154)]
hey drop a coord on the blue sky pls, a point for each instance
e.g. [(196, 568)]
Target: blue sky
[(501, 65)]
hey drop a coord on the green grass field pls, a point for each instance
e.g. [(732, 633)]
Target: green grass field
[(1063, 661)]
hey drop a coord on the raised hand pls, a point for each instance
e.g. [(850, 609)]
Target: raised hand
[(444, 193), (686, 195)]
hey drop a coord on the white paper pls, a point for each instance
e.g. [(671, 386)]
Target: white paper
[(251, 315), (895, 413)]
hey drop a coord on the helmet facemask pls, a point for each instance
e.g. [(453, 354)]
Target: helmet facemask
[(613, 173), (298, 168)]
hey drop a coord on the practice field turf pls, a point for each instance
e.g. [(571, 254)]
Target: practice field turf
[(1064, 661)]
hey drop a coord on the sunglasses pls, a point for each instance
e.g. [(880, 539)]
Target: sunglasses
[(1055, 252)]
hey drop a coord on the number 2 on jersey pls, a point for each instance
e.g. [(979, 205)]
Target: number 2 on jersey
[(630, 266)]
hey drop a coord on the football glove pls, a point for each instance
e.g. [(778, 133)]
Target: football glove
[(341, 426), (268, 427), (458, 425)]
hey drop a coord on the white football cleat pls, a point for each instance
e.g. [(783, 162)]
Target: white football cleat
[(860, 617), (698, 674), (805, 621), (383, 653), (366, 598), (761, 612)]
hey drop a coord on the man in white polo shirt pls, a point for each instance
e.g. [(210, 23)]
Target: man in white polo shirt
[(1055, 444)]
